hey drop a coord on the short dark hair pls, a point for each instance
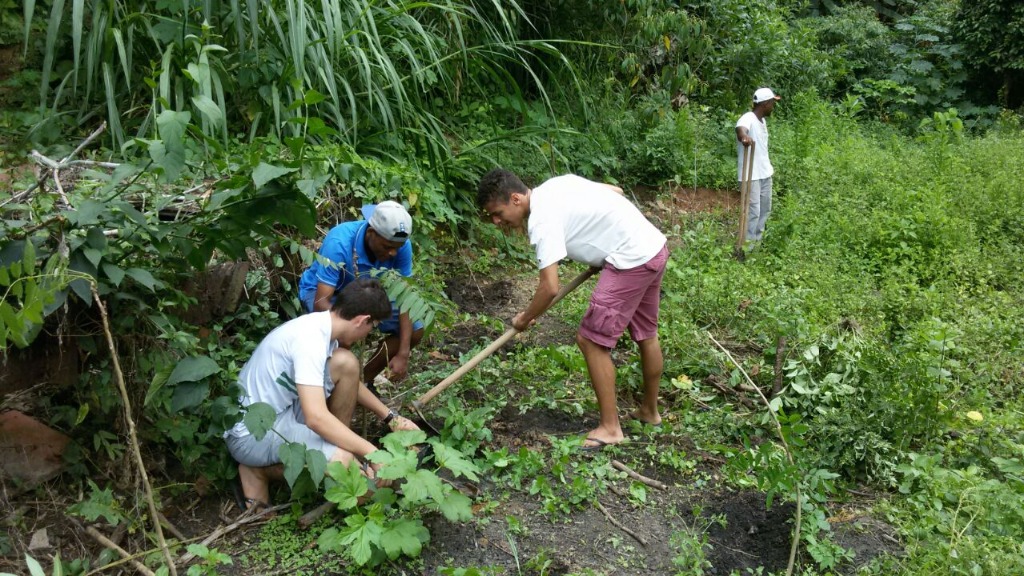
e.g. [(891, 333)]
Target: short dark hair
[(363, 296), (498, 185)]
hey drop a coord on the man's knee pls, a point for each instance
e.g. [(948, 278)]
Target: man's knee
[(343, 366)]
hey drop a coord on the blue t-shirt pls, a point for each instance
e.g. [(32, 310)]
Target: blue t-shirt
[(345, 247)]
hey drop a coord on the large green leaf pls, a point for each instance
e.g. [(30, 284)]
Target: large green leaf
[(363, 535), (423, 485), (209, 108), (259, 419), (144, 277), (454, 460), (169, 153), (266, 172), (192, 369), (293, 457), (316, 463), (404, 536), (456, 507), (87, 212), (349, 485), (189, 395)]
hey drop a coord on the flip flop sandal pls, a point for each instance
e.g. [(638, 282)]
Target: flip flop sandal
[(596, 447), (245, 504)]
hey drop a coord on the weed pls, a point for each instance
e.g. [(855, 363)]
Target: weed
[(211, 559)]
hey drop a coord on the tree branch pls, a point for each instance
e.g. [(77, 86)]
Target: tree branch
[(154, 514), (638, 477)]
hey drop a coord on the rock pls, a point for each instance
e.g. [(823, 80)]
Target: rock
[(39, 540), (30, 451)]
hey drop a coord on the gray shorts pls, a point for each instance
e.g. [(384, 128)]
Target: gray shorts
[(290, 426)]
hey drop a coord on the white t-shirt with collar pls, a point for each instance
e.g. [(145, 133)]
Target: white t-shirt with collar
[(590, 223), (294, 353)]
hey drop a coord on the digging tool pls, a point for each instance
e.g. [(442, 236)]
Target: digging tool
[(747, 173), (483, 354)]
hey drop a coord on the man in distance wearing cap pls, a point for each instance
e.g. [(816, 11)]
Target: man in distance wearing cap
[(358, 249), (751, 127)]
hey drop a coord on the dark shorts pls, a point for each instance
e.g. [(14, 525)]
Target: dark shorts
[(625, 299)]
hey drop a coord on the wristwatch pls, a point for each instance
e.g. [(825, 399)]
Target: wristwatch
[(391, 416)]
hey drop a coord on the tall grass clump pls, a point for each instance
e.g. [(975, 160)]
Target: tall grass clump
[(380, 77)]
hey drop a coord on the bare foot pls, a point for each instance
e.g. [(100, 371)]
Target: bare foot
[(600, 437), (654, 419)]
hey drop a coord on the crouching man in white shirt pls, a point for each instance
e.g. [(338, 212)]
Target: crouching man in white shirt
[(306, 372)]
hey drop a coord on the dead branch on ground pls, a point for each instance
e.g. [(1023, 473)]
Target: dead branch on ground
[(638, 477), (247, 517), (617, 524), (99, 537)]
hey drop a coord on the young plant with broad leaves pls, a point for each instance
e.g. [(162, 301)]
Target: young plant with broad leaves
[(380, 523)]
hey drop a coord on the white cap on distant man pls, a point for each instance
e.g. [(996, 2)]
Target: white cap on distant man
[(764, 95), (389, 219)]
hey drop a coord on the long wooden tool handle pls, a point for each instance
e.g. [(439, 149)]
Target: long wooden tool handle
[(483, 354), (747, 171)]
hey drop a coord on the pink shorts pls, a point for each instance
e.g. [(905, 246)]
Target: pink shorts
[(625, 298)]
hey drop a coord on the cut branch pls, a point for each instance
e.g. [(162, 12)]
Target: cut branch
[(246, 518), (731, 392), (154, 514), (307, 519), (780, 353), (99, 537), (617, 524), (638, 477)]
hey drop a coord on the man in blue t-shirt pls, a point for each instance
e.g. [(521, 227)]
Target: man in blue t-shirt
[(355, 250)]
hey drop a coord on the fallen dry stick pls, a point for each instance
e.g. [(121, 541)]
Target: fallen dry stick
[(726, 390), (171, 527), (99, 537), (222, 530), (307, 519), (617, 524), (639, 477)]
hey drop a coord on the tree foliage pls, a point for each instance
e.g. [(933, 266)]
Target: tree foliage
[(992, 33)]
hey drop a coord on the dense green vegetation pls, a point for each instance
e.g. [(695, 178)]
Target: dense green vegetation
[(890, 271)]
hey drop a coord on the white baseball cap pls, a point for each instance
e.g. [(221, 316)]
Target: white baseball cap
[(764, 94), (389, 219)]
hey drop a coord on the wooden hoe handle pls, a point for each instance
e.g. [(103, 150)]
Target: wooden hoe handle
[(747, 173), (504, 338)]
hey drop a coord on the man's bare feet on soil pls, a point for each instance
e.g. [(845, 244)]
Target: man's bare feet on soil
[(653, 419)]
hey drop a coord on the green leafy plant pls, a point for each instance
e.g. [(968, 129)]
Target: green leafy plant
[(389, 525), (211, 559), (691, 543), (28, 294), (100, 503)]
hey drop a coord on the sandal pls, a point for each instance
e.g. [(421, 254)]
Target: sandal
[(245, 504)]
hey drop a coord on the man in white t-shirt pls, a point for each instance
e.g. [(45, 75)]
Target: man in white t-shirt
[(752, 128), (592, 223), (305, 371)]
